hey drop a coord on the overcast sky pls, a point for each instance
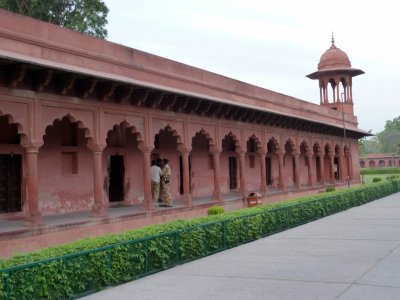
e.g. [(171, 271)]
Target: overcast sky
[(273, 44)]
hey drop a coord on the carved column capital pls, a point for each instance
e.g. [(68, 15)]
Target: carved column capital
[(96, 147), (215, 150), (261, 152), (184, 150), (145, 149), (32, 146), (240, 151)]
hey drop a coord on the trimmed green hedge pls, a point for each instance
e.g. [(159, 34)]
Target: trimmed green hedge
[(389, 170), (215, 210), (86, 266)]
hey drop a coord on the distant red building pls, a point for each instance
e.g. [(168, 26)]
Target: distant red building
[(81, 119), (380, 160)]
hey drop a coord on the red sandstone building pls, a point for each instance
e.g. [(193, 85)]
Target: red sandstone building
[(81, 119), (381, 160)]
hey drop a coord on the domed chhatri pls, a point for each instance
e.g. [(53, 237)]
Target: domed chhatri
[(334, 70), (334, 58)]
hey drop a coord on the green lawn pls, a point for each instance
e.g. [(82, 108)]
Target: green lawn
[(368, 177)]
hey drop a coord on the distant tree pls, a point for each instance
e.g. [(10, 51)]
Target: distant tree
[(389, 138), (361, 147), (372, 145), (393, 124), (87, 16)]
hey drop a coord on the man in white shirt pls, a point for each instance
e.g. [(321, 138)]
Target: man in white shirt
[(155, 180)]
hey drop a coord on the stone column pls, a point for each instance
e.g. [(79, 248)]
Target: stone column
[(341, 170), (186, 177), (98, 205), (310, 170), (322, 167), (332, 158), (242, 189), (34, 214), (217, 189), (148, 199), (263, 185), (281, 184), (296, 170), (350, 167)]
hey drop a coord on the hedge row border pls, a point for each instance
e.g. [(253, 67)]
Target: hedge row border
[(75, 275)]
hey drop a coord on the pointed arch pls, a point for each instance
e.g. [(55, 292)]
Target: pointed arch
[(80, 125), (125, 125), (201, 164), (204, 134), (327, 149), (305, 148), (338, 150), (273, 145), (124, 162), (230, 142), (290, 147), (253, 144), (20, 130), (65, 161), (174, 133)]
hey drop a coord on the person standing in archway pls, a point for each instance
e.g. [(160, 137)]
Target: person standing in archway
[(166, 174), (155, 171)]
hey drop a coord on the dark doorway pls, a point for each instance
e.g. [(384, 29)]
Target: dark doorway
[(294, 170), (318, 168), (116, 172), (181, 176), (268, 170), (10, 183), (232, 173)]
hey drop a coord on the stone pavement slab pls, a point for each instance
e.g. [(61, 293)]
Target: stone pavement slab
[(351, 255)]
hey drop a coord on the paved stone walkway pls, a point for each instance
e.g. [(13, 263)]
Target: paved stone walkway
[(351, 255)]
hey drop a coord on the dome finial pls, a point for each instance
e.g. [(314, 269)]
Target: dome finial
[(333, 39)]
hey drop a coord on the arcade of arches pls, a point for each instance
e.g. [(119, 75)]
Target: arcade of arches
[(72, 173)]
